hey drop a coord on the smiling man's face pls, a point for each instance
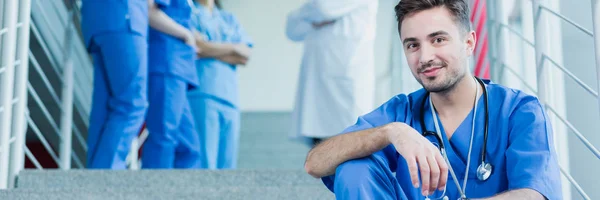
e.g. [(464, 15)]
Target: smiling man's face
[(436, 48)]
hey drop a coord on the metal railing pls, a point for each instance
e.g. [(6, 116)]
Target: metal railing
[(13, 36), (54, 75), (542, 60)]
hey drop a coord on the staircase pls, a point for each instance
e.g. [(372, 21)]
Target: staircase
[(270, 168), (167, 184)]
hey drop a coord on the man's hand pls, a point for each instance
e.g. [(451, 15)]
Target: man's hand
[(190, 40), (233, 59), (420, 154), (242, 50), (322, 24)]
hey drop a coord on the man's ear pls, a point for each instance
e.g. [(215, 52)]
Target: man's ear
[(471, 42)]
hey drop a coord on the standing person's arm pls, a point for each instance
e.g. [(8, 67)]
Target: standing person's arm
[(236, 53), (299, 23), (163, 23), (333, 9)]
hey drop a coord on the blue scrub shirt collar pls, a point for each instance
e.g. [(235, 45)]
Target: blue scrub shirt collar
[(203, 10)]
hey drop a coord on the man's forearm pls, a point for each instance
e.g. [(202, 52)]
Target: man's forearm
[(233, 59), (323, 159), (527, 194), (215, 50), (163, 23)]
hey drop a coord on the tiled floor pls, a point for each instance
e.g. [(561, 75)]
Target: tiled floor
[(265, 144)]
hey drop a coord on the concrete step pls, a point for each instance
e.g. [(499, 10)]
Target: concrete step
[(49, 179), (133, 191)]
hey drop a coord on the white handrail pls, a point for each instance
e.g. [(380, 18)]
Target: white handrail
[(7, 59), (32, 158), (572, 76), (566, 20), (574, 183), (43, 140)]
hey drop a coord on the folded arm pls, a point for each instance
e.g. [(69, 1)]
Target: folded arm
[(163, 23), (233, 59), (299, 24), (333, 9), (235, 54)]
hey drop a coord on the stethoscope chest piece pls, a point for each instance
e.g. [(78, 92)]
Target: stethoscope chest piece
[(444, 198), (484, 171)]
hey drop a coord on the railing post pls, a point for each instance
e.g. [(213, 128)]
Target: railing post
[(540, 28), (550, 83), (7, 60), (491, 22), (66, 118), (496, 39), (596, 20), (19, 125), (133, 154)]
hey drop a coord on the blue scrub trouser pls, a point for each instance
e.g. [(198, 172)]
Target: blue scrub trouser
[(218, 125), (119, 98), (366, 178), (172, 141)]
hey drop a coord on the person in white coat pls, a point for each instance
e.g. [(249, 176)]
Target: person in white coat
[(336, 82)]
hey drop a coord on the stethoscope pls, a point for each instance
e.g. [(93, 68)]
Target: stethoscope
[(484, 170)]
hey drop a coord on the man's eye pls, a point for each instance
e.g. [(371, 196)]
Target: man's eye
[(439, 40), (410, 46)]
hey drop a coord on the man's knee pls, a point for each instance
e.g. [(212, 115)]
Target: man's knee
[(366, 178), (357, 172)]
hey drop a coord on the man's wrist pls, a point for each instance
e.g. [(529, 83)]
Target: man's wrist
[(391, 130)]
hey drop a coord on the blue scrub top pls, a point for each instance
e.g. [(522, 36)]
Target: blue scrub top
[(518, 147), (113, 16), (168, 54), (218, 79)]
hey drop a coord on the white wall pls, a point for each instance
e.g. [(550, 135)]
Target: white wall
[(269, 81)]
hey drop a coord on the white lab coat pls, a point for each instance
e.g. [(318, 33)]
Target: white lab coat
[(336, 83)]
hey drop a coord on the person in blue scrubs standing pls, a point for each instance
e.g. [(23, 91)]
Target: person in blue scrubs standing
[(214, 104), (172, 141), (118, 46), (475, 122)]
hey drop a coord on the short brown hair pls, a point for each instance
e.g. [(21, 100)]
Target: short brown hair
[(458, 8)]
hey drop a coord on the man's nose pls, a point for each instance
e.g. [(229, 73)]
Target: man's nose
[(427, 54)]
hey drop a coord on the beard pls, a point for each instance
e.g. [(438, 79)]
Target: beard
[(443, 82)]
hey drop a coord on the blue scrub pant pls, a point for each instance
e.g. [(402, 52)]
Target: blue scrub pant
[(119, 98), (366, 178), (172, 141), (218, 125)]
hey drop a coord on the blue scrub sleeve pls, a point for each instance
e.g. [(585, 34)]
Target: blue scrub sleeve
[(530, 159), (241, 33), (392, 111), (163, 2)]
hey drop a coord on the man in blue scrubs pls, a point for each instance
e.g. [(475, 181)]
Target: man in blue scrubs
[(172, 141), (115, 33), (438, 41)]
